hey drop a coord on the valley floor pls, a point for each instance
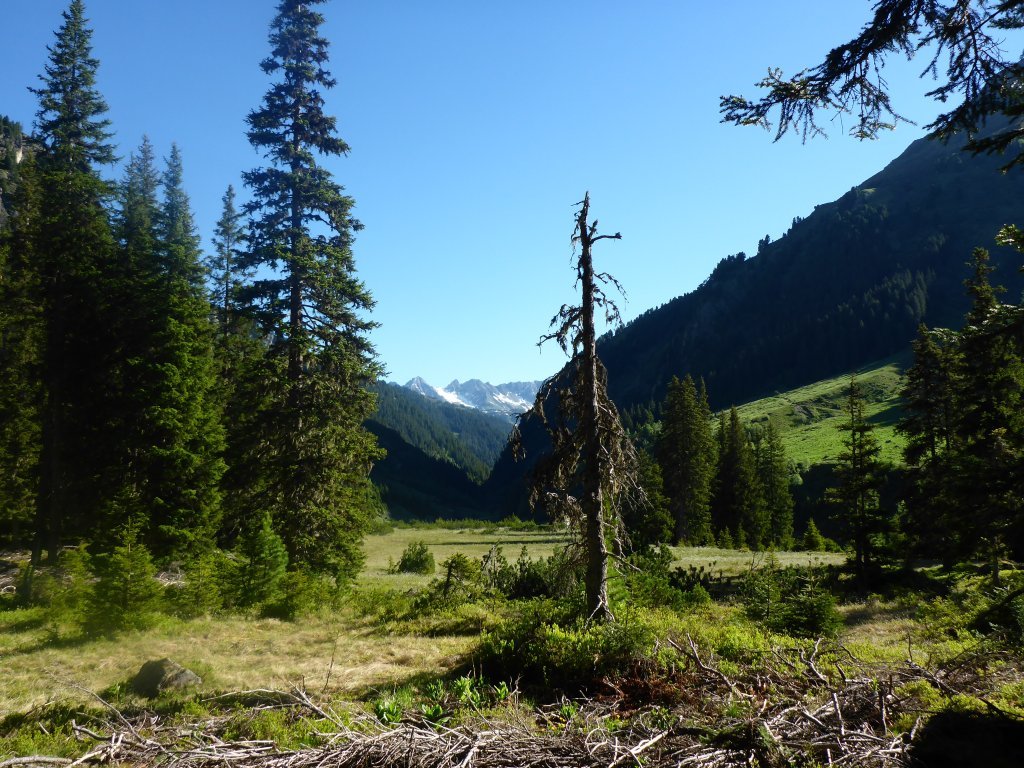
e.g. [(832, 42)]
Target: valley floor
[(364, 661)]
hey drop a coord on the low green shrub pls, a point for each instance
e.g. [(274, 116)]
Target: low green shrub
[(302, 593), (461, 581), (646, 575), (521, 580), (380, 603), (652, 584), (790, 601), (546, 645), (416, 558)]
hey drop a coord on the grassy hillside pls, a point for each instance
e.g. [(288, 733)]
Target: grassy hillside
[(809, 417)]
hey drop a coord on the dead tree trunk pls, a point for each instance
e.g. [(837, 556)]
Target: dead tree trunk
[(594, 468), (592, 462)]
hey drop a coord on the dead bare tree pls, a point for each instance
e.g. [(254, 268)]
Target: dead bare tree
[(592, 456)]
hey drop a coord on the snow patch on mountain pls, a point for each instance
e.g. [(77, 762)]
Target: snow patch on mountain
[(505, 400)]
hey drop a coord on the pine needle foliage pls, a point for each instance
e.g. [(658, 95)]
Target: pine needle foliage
[(308, 439), (686, 452), (74, 248), (962, 43), (860, 473), (126, 594)]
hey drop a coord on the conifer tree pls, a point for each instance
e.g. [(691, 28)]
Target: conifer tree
[(265, 562), (592, 468), (929, 396), (648, 520), (686, 452), (990, 425), (739, 500), (126, 594), (241, 365), (812, 541), (131, 367), (860, 473), (314, 454), (929, 403), (20, 330), (773, 472), (69, 120), (186, 463), (225, 280), (74, 250)]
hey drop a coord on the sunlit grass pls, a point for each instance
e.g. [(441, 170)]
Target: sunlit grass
[(808, 418), (384, 549), (732, 562), (230, 652)]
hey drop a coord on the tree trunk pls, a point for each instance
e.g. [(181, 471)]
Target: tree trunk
[(596, 579), (51, 496)]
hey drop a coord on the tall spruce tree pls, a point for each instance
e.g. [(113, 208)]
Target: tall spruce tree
[(20, 328), (990, 426), (860, 473), (773, 472), (74, 250), (314, 454), (132, 366), (164, 432), (929, 398), (738, 504), (185, 464), (686, 452), (240, 355)]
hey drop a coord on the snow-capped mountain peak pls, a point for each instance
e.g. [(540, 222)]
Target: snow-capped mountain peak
[(506, 400)]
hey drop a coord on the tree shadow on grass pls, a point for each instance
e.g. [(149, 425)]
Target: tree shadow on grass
[(51, 642), (25, 625), (871, 612), (970, 740), (887, 417)]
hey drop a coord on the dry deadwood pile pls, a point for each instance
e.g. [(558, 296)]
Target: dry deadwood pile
[(787, 710)]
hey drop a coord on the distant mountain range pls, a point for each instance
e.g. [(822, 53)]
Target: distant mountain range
[(504, 400)]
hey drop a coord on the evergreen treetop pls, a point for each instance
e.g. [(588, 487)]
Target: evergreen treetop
[(69, 119), (226, 280)]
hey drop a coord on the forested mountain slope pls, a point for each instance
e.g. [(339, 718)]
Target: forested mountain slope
[(468, 439), (845, 286), (415, 485)]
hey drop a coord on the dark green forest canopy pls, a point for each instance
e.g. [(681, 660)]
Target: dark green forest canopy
[(132, 413)]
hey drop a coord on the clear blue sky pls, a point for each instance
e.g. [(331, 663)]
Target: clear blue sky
[(475, 126)]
